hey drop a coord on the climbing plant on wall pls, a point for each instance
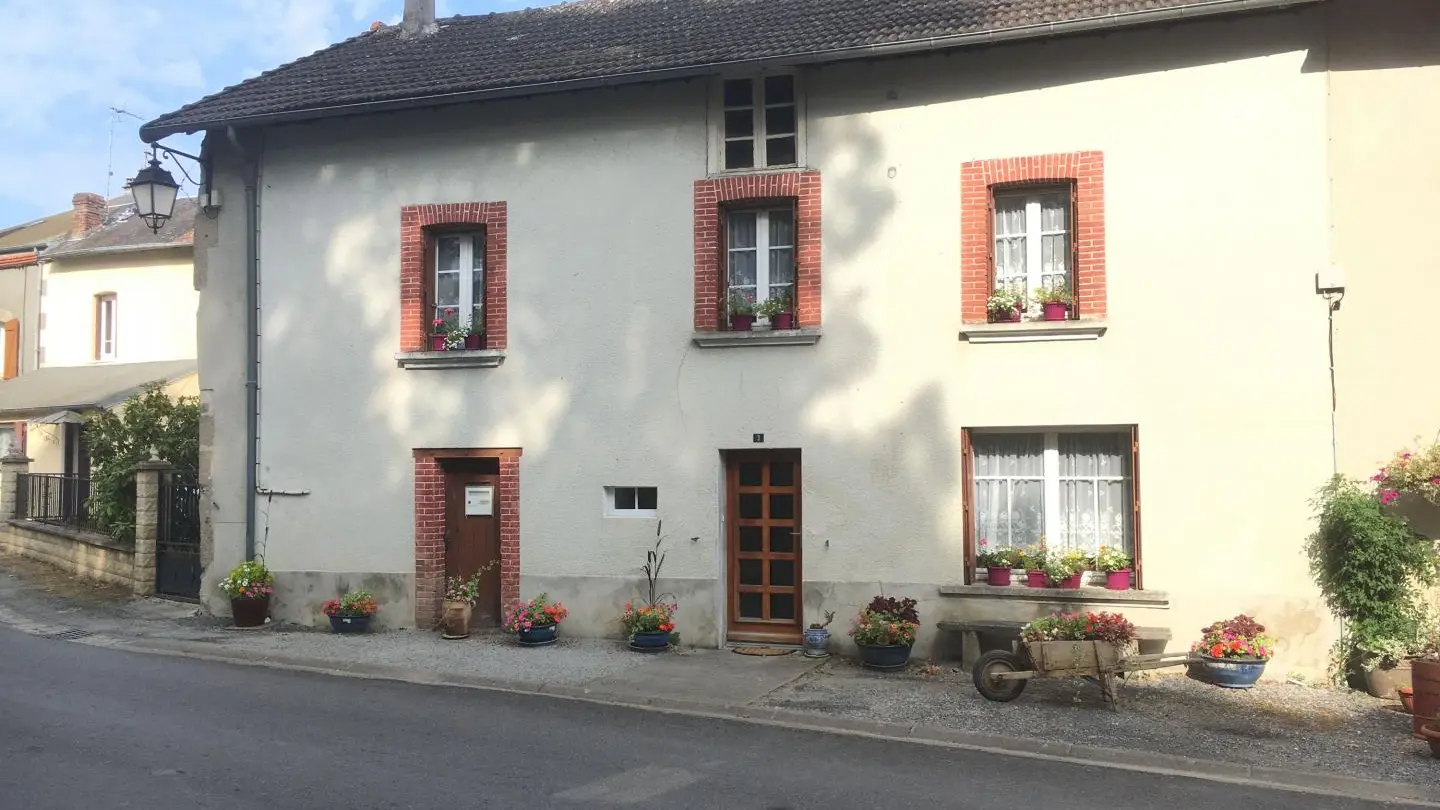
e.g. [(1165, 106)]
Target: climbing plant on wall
[(123, 437)]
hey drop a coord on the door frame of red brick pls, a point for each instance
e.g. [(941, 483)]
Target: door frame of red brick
[(430, 525)]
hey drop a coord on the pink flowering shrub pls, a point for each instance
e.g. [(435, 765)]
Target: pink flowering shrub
[(1416, 472)]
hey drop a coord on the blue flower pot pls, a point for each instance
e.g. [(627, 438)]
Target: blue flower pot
[(815, 642), (350, 624), (655, 639), (886, 658), (1229, 673), (538, 635)]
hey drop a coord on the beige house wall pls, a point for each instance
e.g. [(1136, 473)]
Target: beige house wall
[(156, 305), (1223, 156), (1384, 154)]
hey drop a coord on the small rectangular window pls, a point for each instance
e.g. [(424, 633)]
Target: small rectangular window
[(459, 281), (760, 256), (1032, 239), (760, 123), (105, 327), (641, 502)]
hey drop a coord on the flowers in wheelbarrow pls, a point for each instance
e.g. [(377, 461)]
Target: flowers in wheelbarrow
[(1240, 637), (1113, 628)]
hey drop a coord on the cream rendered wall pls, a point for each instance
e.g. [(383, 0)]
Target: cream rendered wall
[(1385, 170), (1214, 136), (155, 307), (45, 445)]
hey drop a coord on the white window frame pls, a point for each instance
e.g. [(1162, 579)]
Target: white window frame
[(470, 264), (758, 130), (1050, 484), (1034, 235), (612, 511), (106, 326), (762, 248)]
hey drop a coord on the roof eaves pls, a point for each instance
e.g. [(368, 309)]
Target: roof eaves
[(151, 132), (67, 254)]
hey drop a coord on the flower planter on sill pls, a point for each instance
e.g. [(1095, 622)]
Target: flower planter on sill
[(1056, 311), (1037, 579), (1072, 582), (784, 320), (742, 323), (475, 341), (997, 576), (437, 343), (1118, 580), (1005, 315)]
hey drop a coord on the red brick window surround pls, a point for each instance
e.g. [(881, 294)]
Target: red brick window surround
[(418, 226), (1082, 175), (714, 197), (430, 526)]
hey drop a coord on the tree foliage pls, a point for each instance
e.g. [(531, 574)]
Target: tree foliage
[(1372, 569), (123, 437)]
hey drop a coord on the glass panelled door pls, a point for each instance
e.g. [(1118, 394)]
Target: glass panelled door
[(763, 536)]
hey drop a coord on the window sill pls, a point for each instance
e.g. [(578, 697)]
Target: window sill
[(757, 170), (1031, 331), (759, 337), (1087, 595), (461, 358)]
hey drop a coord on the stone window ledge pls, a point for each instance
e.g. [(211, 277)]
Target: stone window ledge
[(460, 358), (759, 337), (1032, 331), (1086, 595)]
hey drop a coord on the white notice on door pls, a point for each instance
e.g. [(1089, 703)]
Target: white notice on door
[(479, 500)]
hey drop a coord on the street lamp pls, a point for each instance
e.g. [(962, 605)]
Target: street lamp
[(154, 190)]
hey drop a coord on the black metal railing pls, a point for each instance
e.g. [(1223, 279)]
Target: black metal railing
[(57, 500)]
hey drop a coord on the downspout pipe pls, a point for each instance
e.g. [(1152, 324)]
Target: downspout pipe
[(251, 179)]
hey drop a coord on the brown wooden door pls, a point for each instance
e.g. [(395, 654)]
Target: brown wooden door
[(12, 349), (472, 538), (762, 520)]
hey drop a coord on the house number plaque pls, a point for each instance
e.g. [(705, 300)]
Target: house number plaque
[(479, 500)]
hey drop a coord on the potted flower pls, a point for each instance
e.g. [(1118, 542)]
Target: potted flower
[(742, 313), (1231, 653), (441, 327), (1054, 303), (817, 637), (779, 310), (1064, 570), (997, 563), (1005, 305), (648, 626), (884, 632), (1409, 488), (1034, 564), (249, 586), (1425, 681), (1116, 565), (352, 612), (461, 594), (535, 622)]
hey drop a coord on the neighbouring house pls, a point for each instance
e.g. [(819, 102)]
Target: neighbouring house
[(593, 182)]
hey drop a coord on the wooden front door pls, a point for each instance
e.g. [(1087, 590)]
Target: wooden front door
[(762, 520), (472, 530)]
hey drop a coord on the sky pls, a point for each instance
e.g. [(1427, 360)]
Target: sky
[(66, 63)]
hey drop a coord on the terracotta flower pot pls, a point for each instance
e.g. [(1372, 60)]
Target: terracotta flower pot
[(1118, 580), (456, 619), (997, 576), (1037, 579), (1431, 733), (1407, 699), (1056, 311), (784, 320), (742, 323), (1425, 678)]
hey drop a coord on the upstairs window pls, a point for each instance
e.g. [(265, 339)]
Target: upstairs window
[(105, 327), (761, 123), (1032, 239), (460, 280), (761, 255)]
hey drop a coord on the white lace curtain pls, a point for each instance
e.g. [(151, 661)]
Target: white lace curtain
[(1086, 475)]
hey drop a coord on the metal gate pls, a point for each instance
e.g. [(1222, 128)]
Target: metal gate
[(177, 538)]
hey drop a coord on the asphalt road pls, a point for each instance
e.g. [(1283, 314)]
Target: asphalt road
[(89, 727)]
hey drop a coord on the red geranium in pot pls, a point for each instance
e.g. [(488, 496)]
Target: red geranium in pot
[(1054, 303)]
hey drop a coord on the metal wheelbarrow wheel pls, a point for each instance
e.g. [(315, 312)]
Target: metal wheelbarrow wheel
[(990, 687)]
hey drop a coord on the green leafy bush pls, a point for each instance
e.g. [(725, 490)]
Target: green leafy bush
[(123, 437), (1372, 570)]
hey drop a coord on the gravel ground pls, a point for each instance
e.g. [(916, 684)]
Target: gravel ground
[(569, 661), (1277, 725)]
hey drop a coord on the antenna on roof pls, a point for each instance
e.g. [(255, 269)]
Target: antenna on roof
[(115, 113)]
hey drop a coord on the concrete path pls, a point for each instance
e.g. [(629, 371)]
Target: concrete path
[(82, 726)]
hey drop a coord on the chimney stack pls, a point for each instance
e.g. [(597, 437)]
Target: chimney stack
[(88, 213), (419, 17)]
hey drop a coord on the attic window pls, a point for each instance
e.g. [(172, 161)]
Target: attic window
[(760, 122)]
